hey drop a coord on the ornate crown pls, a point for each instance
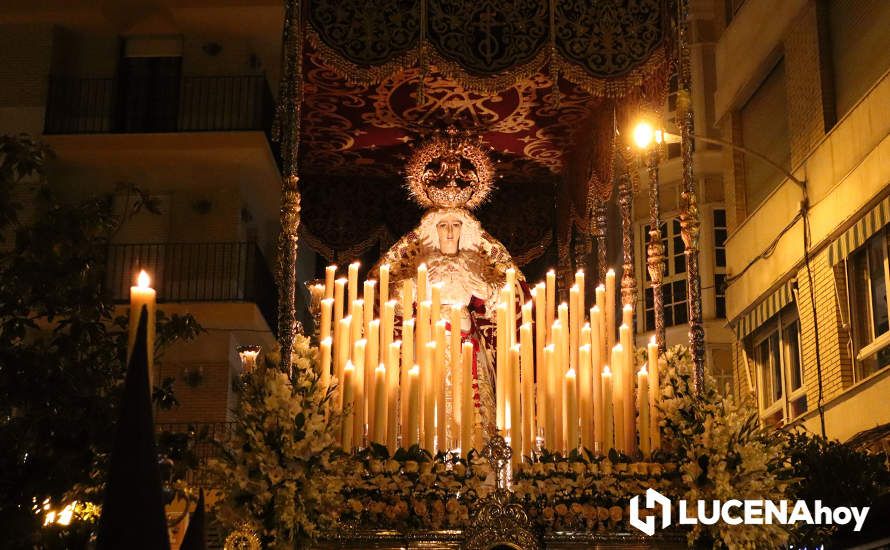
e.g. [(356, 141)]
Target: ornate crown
[(450, 170)]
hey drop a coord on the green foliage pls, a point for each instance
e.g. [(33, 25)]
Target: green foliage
[(836, 474), (62, 349)]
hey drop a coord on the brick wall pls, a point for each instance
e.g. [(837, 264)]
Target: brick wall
[(207, 401)]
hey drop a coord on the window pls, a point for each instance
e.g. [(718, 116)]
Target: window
[(780, 383), (720, 262), (673, 149), (867, 271), (673, 287)]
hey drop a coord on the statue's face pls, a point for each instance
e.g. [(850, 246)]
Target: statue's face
[(448, 229)]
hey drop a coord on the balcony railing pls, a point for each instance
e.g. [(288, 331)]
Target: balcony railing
[(190, 104), (191, 444), (195, 272)]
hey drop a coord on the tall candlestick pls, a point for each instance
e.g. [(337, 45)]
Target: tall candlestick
[(384, 283), (456, 370), (429, 398), (468, 408), (581, 281), (327, 310), (407, 299), (527, 367), (324, 349), (358, 385), (387, 323), (609, 312), (571, 418), (143, 295), (330, 272), (527, 312), (510, 286), (605, 348), (550, 302), (643, 406), (565, 357), (557, 371), (358, 319), (618, 398), (423, 333), (654, 393), (368, 302), (422, 282), (380, 405), (412, 433), (348, 408), (628, 381), (435, 303), (627, 315), (392, 396), (407, 361), (352, 290), (343, 349), (608, 410), (585, 391)]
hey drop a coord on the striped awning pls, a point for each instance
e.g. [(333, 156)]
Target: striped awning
[(762, 312), (853, 238)]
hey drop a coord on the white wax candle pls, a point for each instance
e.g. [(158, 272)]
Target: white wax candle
[(435, 303), (429, 398), (574, 325), (439, 383), (380, 405), (527, 368), (539, 295), (339, 307), (392, 396), (548, 410), (643, 405), (358, 385), (585, 391), (407, 299), (609, 312), (325, 362), (387, 324), (456, 370), (627, 315), (527, 312), (412, 434), (357, 316), (571, 408), (501, 365), (513, 400), (618, 398), (384, 283), (143, 295), (654, 393), (352, 277), (327, 309), (581, 282), (605, 349), (597, 361), (368, 302), (407, 361), (628, 381), (608, 409), (330, 272), (550, 302), (422, 282), (468, 408), (348, 407), (372, 357), (342, 348)]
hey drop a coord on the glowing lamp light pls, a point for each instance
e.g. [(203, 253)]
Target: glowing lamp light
[(644, 135), (143, 280), (248, 356)]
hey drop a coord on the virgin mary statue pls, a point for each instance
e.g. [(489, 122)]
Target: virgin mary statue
[(450, 175)]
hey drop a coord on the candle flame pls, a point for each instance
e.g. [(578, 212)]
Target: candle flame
[(143, 280), (652, 340), (607, 371), (643, 370)]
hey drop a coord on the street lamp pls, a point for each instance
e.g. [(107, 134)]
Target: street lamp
[(648, 137)]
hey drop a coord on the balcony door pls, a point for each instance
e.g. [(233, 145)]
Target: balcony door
[(149, 94)]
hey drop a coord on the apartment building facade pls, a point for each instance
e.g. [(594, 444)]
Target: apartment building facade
[(805, 84)]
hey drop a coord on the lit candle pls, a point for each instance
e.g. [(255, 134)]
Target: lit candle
[(581, 281), (468, 408), (455, 367), (407, 361), (563, 342), (358, 388), (339, 306), (372, 357), (617, 395), (654, 393), (422, 332), (143, 295), (628, 381), (352, 277), (422, 281), (384, 283), (380, 405), (597, 360), (608, 409), (501, 365), (513, 401), (609, 312), (357, 315), (585, 391), (342, 348), (392, 396), (643, 405), (549, 402), (439, 383), (527, 367), (550, 302), (368, 303), (387, 324), (601, 304), (538, 295), (327, 309), (407, 299), (571, 408), (527, 312), (348, 407), (627, 315), (557, 371), (510, 300), (330, 272), (412, 434), (574, 326), (325, 351), (429, 398)]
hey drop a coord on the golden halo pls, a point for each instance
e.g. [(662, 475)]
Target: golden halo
[(450, 170)]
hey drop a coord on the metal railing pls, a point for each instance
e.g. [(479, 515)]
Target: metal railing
[(191, 444), (190, 104), (195, 272)]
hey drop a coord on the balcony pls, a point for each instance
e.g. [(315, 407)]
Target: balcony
[(196, 272), (188, 104)]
